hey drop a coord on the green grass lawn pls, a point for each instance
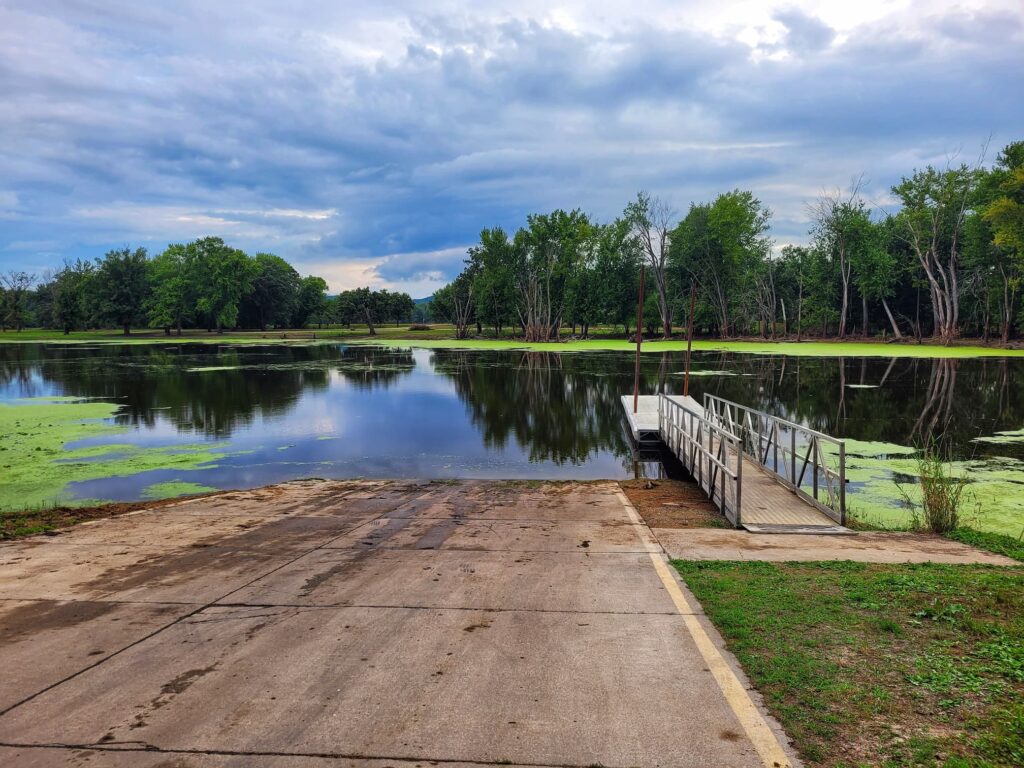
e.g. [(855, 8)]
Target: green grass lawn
[(443, 336), (879, 665)]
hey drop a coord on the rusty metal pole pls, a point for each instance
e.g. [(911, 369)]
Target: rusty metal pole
[(689, 343), (639, 339)]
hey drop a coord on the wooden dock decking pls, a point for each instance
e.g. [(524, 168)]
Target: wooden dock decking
[(767, 505)]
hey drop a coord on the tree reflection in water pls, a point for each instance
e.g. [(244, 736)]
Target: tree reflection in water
[(559, 408)]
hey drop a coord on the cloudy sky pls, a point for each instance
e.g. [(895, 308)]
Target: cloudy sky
[(370, 142)]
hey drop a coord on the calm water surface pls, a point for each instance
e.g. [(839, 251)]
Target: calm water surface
[(337, 411)]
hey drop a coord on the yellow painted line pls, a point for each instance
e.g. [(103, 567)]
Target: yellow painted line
[(757, 729)]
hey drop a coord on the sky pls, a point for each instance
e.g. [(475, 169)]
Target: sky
[(369, 143)]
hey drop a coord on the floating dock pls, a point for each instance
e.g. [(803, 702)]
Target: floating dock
[(766, 474)]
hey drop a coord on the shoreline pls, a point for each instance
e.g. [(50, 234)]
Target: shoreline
[(405, 339)]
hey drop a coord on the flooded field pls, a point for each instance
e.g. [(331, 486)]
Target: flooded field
[(124, 422)]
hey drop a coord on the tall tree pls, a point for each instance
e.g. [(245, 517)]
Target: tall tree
[(718, 246), (493, 284), (175, 288), (122, 287), (1003, 212), (16, 284), (843, 233), (225, 276), (544, 257), (275, 295), (312, 301), (935, 208), (651, 219), (71, 296), (617, 270)]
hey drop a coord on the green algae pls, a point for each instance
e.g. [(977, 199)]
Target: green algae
[(790, 348), (397, 338), (38, 468), (884, 485), (1008, 437), (175, 488)]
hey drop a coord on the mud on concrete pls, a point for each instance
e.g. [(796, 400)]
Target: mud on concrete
[(352, 623)]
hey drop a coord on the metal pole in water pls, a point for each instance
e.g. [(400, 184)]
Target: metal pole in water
[(689, 343), (639, 339)]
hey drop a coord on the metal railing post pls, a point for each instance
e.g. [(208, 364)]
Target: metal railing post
[(792, 455), (739, 488), (842, 482)]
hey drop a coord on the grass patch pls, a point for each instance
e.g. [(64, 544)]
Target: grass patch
[(879, 665), (1000, 544)]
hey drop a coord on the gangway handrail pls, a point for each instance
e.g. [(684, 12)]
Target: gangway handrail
[(772, 442), (711, 454)]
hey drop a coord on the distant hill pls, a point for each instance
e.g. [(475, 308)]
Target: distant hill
[(423, 301)]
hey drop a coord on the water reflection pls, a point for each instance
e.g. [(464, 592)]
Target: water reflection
[(336, 410), (559, 408)]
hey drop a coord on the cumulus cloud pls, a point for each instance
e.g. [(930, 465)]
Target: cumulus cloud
[(373, 143)]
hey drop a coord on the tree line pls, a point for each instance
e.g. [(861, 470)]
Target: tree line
[(948, 262), (201, 284)]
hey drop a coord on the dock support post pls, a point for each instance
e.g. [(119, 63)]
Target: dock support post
[(639, 340), (689, 341)]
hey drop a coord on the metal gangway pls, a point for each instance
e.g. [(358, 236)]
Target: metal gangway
[(764, 472)]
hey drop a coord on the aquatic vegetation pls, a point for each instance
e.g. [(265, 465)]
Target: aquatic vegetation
[(401, 338), (882, 477), (175, 488), (38, 468), (791, 348), (1008, 437)]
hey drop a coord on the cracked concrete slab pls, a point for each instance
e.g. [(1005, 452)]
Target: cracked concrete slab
[(359, 624), (476, 686), (525, 581), (550, 535), (44, 641)]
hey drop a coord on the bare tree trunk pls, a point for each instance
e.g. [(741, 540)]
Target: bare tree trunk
[(892, 320)]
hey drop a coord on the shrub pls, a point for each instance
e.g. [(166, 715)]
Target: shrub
[(419, 327), (942, 495)]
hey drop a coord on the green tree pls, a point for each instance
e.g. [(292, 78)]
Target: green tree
[(16, 285), (544, 257), (224, 276), (312, 302), (718, 246), (173, 278), (276, 291), (935, 208), (843, 233), (71, 308), (617, 268), (493, 283), (876, 272), (1003, 213), (122, 287), (651, 219)]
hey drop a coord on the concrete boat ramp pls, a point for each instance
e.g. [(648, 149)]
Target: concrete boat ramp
[(766, 474), (368, 624)]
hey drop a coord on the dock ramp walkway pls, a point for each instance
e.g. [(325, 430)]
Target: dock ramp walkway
[(767, 474)]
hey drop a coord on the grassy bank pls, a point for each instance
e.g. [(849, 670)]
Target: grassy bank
[(887, 665), (442, 337), (27, 522)]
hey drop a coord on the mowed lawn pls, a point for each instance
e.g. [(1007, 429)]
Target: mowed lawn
[(868, 665)]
